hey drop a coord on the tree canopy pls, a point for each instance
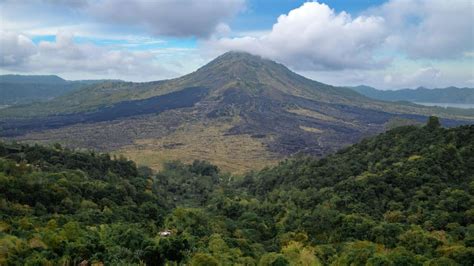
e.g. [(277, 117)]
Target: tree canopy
[(404, 197)]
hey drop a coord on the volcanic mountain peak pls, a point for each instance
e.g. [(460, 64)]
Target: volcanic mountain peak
[(235, 66), (244, 71), (239, 111), (240, 65), (249, 67), (239, 74)]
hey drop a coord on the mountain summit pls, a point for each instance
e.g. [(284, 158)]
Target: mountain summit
[(243, 67), (254, 73), (239, 111)]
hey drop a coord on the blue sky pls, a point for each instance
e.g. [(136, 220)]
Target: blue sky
[(387, 44)]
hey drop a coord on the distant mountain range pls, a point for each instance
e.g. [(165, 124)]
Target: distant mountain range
[(423, 95), (22, 89), (239, 111)]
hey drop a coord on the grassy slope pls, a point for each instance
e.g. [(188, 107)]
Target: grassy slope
[(206, 141)]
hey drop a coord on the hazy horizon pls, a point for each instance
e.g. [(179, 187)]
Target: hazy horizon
[(412, 88)]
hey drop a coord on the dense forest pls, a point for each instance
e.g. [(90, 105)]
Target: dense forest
[(404, 197)]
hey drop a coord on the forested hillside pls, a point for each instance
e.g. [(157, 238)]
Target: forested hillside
[(404, 197)]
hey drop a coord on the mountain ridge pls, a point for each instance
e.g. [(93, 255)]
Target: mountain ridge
[(449, 94), (17, 78), (26, 89)]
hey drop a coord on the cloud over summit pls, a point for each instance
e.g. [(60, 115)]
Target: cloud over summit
[(315, 37)]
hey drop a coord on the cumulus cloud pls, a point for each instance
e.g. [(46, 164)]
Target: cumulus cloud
[(429, 28), (65, 56), (315, 37), (15, 49)]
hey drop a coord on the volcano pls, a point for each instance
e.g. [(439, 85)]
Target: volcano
[(239, 111)]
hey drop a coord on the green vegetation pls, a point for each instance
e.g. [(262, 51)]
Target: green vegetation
[(405, 197)]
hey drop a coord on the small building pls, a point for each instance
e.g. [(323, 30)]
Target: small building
[(165, 233)]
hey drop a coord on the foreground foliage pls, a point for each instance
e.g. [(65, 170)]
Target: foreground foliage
[(402, 198)]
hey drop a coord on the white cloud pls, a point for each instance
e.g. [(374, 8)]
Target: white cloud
[(430, 28), (15, 49), (315, 37), (431, 40), (64, 56), (165, 17), (176, 18)]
